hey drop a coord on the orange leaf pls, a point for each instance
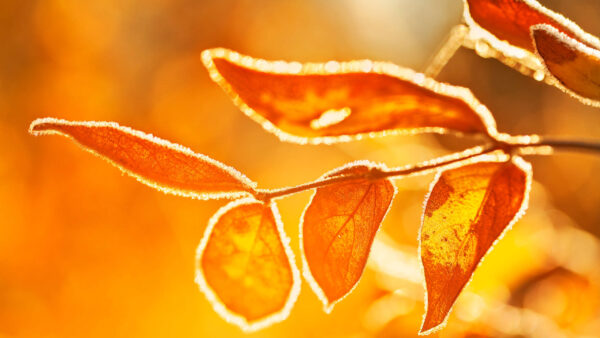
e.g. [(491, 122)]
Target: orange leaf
[(510, 20), (338, 228), (341, 101), (165, 166), (245, 267), (575, 65), (468, 209)]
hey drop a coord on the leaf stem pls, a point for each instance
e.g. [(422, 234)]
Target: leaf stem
[(577, 145), (503, 142), (378, 173)]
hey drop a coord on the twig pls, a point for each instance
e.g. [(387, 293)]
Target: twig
[(448, 49), (503, 142), (578, 145)]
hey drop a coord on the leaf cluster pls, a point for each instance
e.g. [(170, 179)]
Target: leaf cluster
[(245, 265)]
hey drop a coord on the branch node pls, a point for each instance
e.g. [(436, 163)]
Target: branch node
[(376, 173), (263, 196)]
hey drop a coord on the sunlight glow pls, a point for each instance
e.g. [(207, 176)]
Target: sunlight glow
[(330, 117)]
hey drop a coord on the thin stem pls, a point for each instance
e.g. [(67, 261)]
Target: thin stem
[(448, 49), (570, 144), (505, 143), (266, 194), (377, 173), (528, 65)]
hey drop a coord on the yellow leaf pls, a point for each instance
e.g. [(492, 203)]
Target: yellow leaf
[(245, 267), (468, 209)]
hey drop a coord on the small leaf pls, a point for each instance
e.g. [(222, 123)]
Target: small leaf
[(165, 166), (511, 20), (338, 228), (245, 267), (575, 65), (341, 101), (468, 209)]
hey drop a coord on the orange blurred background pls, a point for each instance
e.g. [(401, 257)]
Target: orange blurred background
[(88, 252)]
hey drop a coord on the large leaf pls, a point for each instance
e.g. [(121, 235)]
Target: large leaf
[(165, 166), (467, 211), (341, 101), (575, 65), (338, 228), (245, 266)]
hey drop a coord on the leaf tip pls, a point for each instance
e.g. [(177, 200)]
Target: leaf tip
[(428, 328), (208, 54), (310, 279), (328, 304), (41, 126)]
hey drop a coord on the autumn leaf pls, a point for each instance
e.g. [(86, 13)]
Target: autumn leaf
[(341, 101), (575, 65), (245, 267), (468, 209), (338, 228), (165, 166), (511, 20)]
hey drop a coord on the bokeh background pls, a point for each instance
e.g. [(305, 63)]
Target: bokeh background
[(88, 252)]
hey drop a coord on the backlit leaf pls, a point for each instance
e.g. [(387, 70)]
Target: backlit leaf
[(160, 164), (341, 101), (468, 209), (511, 20), (245, 267), (575, 65), (338, 228)]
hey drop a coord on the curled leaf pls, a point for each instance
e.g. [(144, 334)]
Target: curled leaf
[(245, 267), (338, 228), (468, 209), (575, 65), (165, 166), (341, 101), (511, 20)]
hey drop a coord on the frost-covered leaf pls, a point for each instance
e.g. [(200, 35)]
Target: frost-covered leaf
[(575, 65), (468, 209), (338, 228), (245, 267), (341, 101), (155, 162)]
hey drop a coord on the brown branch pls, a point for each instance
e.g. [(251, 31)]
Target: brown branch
[(577, 145), (503, 142), (377, 173)]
